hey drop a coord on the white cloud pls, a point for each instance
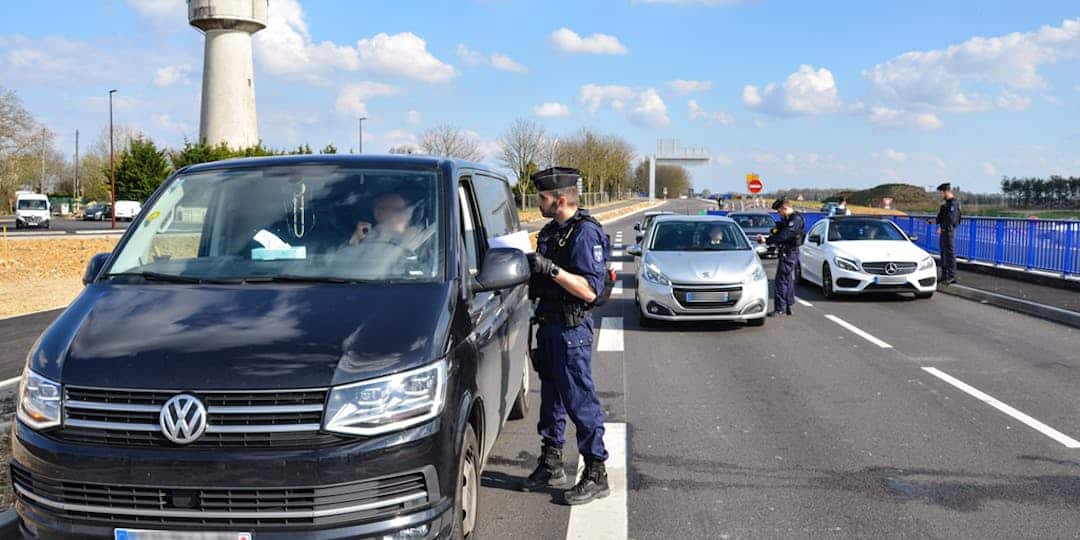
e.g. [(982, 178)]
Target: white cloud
[(697, 113), (684, 87), (353, 98), (568, 41), (693, 2), (1009, 101), (894, 155), (469, 56), (285, 48), (648, 108), (551, 110), (955, 79), (892, 118), (503, 62), (989, 169), (170, 75), (397, 137), (174, 11), (413, 118), (805, 92), (166, 122)]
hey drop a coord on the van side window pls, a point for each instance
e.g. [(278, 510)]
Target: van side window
[(495, 205), (468, 229)]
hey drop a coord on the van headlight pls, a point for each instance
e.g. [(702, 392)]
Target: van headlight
[(39, 401), (388, 403), (926, 263), (847, 264)]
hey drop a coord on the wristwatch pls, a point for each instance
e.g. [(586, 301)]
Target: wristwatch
[(554, 272)]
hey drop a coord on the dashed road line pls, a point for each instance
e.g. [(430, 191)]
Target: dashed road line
[(611, 334), (1058, 436), (605, 519), (11, 381), (617, 266), (803, 302), (617, 289), (865, 335), (617, 253)]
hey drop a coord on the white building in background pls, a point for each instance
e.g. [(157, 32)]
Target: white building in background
[(228, 89)]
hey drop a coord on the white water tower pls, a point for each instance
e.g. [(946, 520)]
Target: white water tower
[(228, 89)]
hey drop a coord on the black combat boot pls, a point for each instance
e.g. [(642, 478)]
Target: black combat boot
[(593, 484), (549, 471)]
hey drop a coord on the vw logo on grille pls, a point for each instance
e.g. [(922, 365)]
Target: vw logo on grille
[(891, 268), (183, 419)]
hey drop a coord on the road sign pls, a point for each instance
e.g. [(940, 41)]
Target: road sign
[(755, 185), (752, 177)]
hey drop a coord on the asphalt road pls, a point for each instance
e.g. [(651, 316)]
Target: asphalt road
[(878, 417), (61, 225)]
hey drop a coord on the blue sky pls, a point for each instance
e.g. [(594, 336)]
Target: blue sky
[(806, 93)]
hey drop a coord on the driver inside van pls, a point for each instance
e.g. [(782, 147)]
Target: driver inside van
[(392, 216)]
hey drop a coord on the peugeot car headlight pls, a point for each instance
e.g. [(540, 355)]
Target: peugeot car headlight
[(388, 403), (757, 275), (926, 263), (652, 273), (847, 264), (39, 401)]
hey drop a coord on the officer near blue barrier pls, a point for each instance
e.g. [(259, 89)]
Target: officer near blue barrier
[(787, 237), (948, 219), (568, 274)]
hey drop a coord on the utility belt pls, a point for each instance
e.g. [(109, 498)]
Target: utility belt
[(947, 230)]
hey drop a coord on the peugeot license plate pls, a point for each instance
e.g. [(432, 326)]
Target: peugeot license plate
[(707, 297), (136, 534)]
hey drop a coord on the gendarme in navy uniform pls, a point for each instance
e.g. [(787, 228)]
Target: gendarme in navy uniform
[(787, 238), (568, 275), (948, 219)]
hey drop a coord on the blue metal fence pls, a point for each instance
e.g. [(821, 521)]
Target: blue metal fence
[(1030, 244)]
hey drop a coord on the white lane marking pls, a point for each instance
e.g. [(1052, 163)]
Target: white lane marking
[(617, 253), (604, 519), (859, 331), (617, 246), (616, 266), (617, 289), (121, 231), (10, 381), (611, 334), (803, 302), (1069, 442)]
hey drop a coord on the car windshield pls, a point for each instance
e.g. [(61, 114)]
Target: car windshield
[(698, 236), (33, 204), (863, 229), (754, 221), (306, 222)]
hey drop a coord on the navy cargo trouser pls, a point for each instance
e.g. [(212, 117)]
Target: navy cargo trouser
[(566, 387), (948, 254), (784, 284)]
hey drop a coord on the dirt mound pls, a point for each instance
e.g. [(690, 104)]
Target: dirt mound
[(904, 196)]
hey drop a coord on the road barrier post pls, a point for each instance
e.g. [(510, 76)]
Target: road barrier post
[(999, 241), (973, 230), (1068, 248), (1030, 262)]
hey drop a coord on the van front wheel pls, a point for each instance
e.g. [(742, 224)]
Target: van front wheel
[(468, 487)]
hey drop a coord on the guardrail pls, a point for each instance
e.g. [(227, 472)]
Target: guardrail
[(1043, 245)]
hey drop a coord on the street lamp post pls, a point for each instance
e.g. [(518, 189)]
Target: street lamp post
[(112, 162), (360, 142)]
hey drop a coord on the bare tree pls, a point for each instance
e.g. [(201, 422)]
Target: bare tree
[(448, 140), (405, 149), (521, 147)]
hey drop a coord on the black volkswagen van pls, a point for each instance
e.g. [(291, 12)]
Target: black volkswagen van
[(291, 347)]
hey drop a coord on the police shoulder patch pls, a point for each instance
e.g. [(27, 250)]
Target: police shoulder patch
[(598, 253)]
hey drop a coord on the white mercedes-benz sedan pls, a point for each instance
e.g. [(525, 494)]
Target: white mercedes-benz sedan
[(699, 268), (852, 255)]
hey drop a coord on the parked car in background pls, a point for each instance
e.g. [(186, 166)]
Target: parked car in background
[(32, 210), (127, 210), (852, 255), (97, 212), (254, 367), (642, 226), (753, 224), (699, 268)]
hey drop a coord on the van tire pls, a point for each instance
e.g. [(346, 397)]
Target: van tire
[(520, 408), (468, 464)]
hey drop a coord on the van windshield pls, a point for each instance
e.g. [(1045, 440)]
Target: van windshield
[(290, 223), (33, 204)]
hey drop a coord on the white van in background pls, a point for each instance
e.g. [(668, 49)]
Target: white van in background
[(127, 210), (31, 210)]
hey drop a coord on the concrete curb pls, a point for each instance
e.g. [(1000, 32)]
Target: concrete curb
[(1050, 313), (9, 524)]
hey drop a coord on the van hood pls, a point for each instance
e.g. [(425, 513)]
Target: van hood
[(244, 337)]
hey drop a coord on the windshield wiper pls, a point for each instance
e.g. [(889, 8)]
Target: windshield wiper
[(171, 278), (298, 279)]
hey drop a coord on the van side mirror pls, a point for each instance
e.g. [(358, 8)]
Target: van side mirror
[(503, 268), (634, 250), (913, 237), (816, 239), (93, 268)]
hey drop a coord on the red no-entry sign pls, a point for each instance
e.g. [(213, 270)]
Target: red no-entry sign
[(755, 186)]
